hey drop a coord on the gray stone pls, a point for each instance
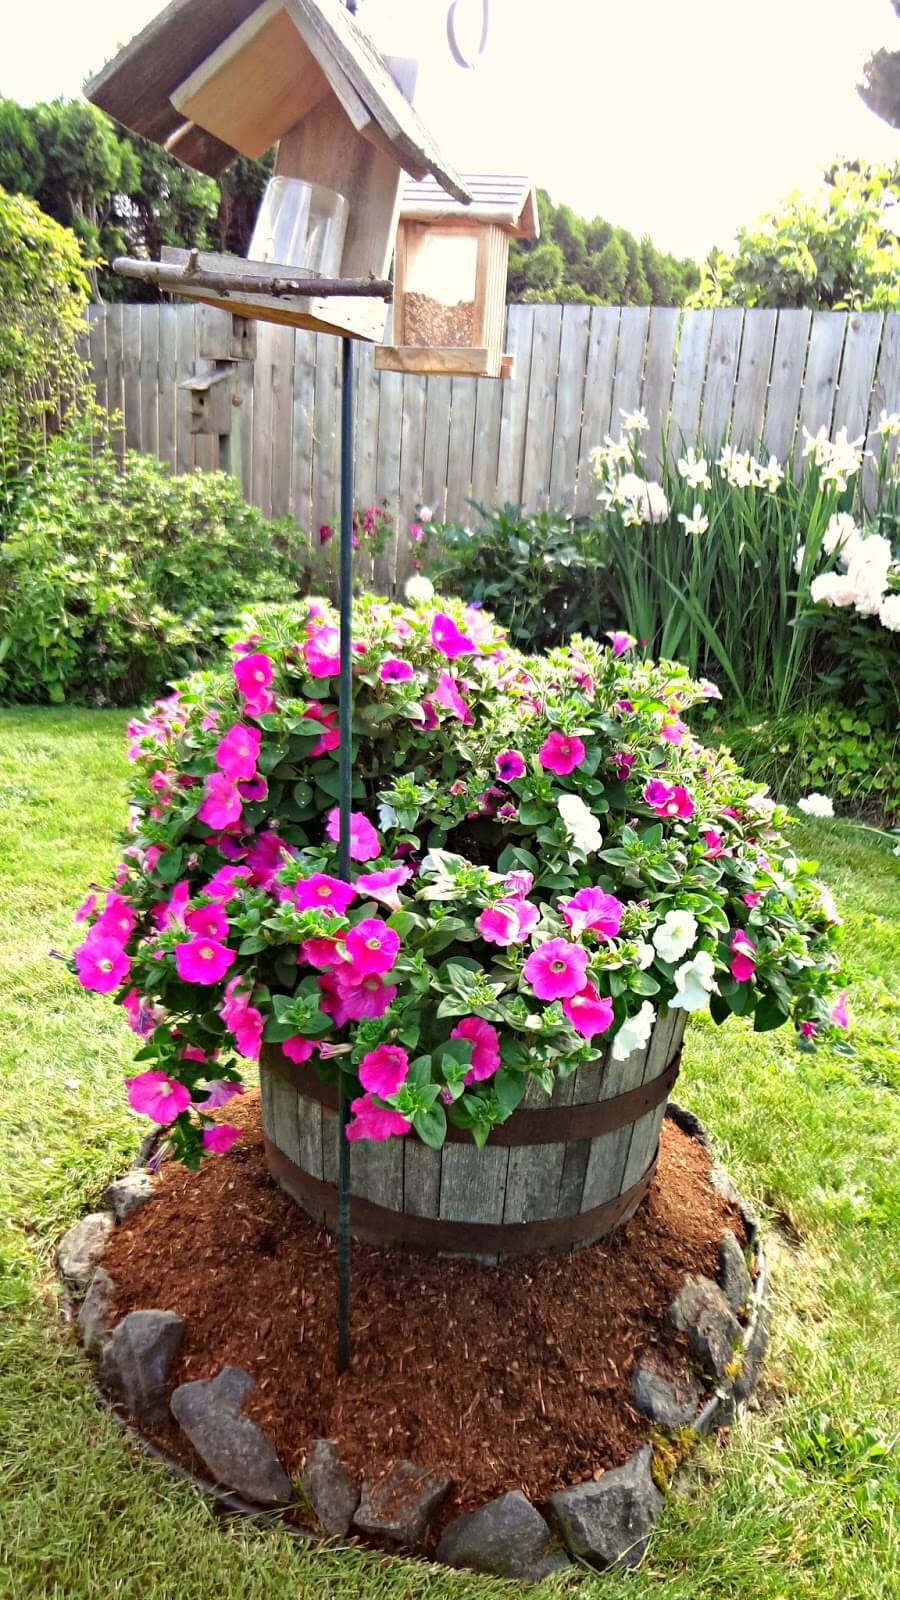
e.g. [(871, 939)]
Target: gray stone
[(125, 1194), (671, 1404), (95, 1316), (330, 1492), (754, 1355), (137, 1359), (80, 1249), (234, 1449), (507, 1537), (399, 1507), (608, 1521), (701, 1311), (734, 1279)]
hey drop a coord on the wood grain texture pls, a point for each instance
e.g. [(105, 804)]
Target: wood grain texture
[(752, 386), (690, 375), (786, 383)]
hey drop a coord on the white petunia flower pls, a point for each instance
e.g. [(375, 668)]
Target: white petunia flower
[(634, 421), (387, 816), (694, 982), (580, 822), (816, 805), (418, 589), (889, 613), (697, 523), (644, 955), (695, 470), (675, 935), (634, 1034)]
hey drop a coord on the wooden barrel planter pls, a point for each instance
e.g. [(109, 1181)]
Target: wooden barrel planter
[(564, 1170)]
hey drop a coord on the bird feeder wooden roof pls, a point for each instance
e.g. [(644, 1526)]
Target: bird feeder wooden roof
[(211, 79), (507, 201)]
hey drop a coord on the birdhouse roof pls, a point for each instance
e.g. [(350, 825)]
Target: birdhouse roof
[(509, 201), (137, 86)]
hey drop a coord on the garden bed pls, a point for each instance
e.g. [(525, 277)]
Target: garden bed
[(517, 1377)]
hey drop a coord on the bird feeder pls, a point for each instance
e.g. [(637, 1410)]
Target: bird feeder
[(211, 82), (450, 263)]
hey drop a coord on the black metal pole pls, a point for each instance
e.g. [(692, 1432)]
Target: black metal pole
[(345, 717)]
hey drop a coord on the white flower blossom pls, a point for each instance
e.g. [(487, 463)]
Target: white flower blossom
[(644, 955), (695, 470), (771, 476), (418, 589), (841, 530), (838, 459), (696, 523), (889, 424), (694, 982), (675, 935), (832, 589), (387, 816), (634, 1034), (580, 823), (816, 805), (798, 558), (634, 421), (640, 501), (889, 613), (737, 468)]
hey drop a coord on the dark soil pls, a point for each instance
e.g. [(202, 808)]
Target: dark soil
[(505, 1377)]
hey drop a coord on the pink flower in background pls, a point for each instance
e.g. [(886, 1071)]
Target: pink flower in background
[(593, 908), (364, 845), (447, 695), (253, 788), (219, 1139), (485, 1044), (331, 737), (322, 953), (715, 843), (561, 752), (752, 898), (371, 946), (371, 1122), (808, 1030), (383, 886), (87, 907), (222, 806), (253, 674), (508, 922), (237, 753), (321, 652), (623, 761), (267, 857), (209, 922), (556, 970), (258, 704), (141, 1013), (384, 1069), (326, 532), (320, 889), (192, 1052), (203, 961), (668, 800), (218, 1092), (673, 730), (101, 963), (297, 1049), (587, 1013), (171, 913), (368, 997), (227, 881), (838, 1012), (743, 950), (447, 638), (157, 1096), (210, 720), (116, 921), (232, 849), (620, 642), (518, 884), (510, 765), (394, 670)]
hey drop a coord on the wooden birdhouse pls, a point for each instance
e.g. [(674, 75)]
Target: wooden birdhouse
[(211, 81), (450, 265)]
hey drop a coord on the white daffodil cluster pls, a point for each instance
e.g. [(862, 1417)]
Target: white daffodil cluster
[(697, 522), (838, 459), (742, 470)]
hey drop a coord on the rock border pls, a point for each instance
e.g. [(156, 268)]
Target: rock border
[(603, 1523)]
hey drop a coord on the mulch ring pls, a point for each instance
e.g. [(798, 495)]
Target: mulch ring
[(507, 1377)]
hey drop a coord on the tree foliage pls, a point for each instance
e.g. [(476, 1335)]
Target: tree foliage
[(595, 263), (880, 88), (837, 248)]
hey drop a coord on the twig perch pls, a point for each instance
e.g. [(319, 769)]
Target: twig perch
[(192, 276)]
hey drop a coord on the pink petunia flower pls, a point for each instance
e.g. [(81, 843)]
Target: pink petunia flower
[(141, 1013), (447, 695), (87, 908), (267, 857), (227, 882), (556, 970), (668, 800), (714, 841), (247, 1028), (838, 1012), (157, 1096), (752, 898), (383, 1069), (237, 753), (322, 952), (320, 889), (595, 909), (371, 946), (364, 845), (373, 1122), (485, 1044), (219, 1091), (219, 1138), (297, 1048), (623, 761), (331, 737), (368, 997), (742, 966), (203, 961), (116, 920), (808, 1030), (620, 642), (253, 674), (561, 752), (508, 922), (253, 788), (510, 764), (222, 806), (208, 921), (383, 886), (673, 730), (394, 670), (101, 963), (587, 1012), (321, 652), (447, 638)]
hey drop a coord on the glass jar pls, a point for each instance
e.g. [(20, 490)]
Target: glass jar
[(301, 225)]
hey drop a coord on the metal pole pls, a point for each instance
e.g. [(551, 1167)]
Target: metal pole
[(345, 715)]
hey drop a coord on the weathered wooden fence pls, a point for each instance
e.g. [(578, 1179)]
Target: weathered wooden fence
[(441, 442)]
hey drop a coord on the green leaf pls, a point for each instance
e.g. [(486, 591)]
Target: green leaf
[(431, 1125), (169, 865), (508, 1087), (769, 1014)]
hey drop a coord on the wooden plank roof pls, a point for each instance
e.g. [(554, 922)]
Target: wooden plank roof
[(506, 199), (135, 86)]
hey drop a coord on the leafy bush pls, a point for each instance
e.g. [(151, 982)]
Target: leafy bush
[(117, 576), (829, 749), (542, 857), (539, 573)]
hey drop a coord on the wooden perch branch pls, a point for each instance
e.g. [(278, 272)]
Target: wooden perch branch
[(192, 276)]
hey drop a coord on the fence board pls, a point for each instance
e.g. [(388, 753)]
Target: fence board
[(167, 398), (282, 419), (885, 397), (752, 385), (326, 436), (263, 419), (149, 380), (633, 325), (823, 364), (788, 362), (721, 368), (658, 374), (436, 446), (541, 405), (598, 387), (412, 433), (97, 352), (185, 363), (861, 342), (462, 445), (573, 349), (387, 464), (488, 416), (687, 387), (514, 406)]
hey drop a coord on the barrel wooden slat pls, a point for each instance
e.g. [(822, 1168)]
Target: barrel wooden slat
[(532, 1182), (645, 1133), (285, 1109), (310, 1136), (609, 1152), (329, 1145), (571, 1184), (473, 1183), (421, 1179), (376, 1170)]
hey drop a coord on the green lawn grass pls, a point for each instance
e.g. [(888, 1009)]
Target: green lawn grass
[(800, 1503)]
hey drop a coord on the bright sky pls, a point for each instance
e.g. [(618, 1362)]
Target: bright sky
[(678, 118)]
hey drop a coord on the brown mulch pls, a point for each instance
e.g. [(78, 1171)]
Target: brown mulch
[(504, 1377)]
